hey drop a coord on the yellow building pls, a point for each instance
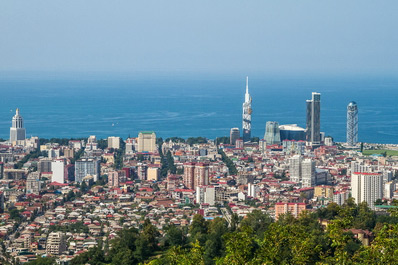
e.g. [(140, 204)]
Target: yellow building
[(324, 191), (153, 173)]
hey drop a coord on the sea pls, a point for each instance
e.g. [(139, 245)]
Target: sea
[(78, 105)]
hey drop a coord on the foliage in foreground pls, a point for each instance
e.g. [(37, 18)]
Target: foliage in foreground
[(258, 240)]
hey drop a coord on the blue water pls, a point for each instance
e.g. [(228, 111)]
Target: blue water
[(185, 106)]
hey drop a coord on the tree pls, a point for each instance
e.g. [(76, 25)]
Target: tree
[(258, 222)]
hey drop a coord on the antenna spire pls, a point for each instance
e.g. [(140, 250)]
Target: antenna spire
[(247, 85)]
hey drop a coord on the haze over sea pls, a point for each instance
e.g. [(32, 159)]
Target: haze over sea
[(76, 105)]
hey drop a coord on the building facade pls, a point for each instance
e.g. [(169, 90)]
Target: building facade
[(352, 123), (58, 169), (33, 183), (247, 114), (313, 130), (272, 134), (234, 135), (114, 142), (147, 142), (17, 131), (367, 187), (87, 166)]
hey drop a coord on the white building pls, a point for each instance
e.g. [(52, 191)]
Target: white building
[(58, 169), (367, 187), (340, 197), (308, 173), (114, 142), (295, 168), (206, 194), (17, 131)]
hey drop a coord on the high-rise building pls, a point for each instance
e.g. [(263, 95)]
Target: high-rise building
[(147, 142), (1, 170), (247, 114), (308, 173), (113, 179), (201, 175), (367, 187), (234, 135), (33, 183), (295, 168), (189, 173), (87, 166), (114, 142), (17, 131), (44, 165), (352, 123), (313, 134), (58, 169), (272, 134)]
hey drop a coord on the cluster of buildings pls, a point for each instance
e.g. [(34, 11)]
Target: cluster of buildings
[(60, 199)]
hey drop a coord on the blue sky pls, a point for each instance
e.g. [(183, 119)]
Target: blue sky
[(226, 36)]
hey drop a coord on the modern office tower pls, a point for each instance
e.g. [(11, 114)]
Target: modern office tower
[(147, 142), (56, 243), (1, 170), (58, 169), (201, 175), (114, 142), (44, 165), (308, 178), (113, 179), (292, 132), (313, 134), (367, 187), (234, 135), (87, 166), (247, 114), (33, 183), (352, 123), (17, 131), (295, 168), (272, 134), (189, 173)]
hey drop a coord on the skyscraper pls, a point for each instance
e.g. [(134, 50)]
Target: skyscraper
[(313, 134), (272, 133), (352, 123), (17, 131), (234, 135), (247, 114)]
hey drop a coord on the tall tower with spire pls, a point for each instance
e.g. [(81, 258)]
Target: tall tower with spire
[(247, 114), (17, 131)]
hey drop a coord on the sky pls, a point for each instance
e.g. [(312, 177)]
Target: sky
[(225, 36)]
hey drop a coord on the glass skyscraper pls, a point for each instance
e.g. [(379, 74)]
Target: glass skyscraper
[(272, 133), (313, 134), (352, 123)]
